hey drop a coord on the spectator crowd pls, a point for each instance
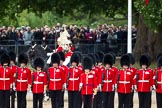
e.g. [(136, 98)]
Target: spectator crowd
[(78, 34)]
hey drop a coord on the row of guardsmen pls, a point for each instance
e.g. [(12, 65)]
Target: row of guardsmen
[(91, 81)]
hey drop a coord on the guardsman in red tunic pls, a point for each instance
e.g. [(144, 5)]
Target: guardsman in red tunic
[(73, 79), (133, 71), (88, 83), (38, 83), (80, 60), (144, 81), (94, 71), (6, 78), (55, 80), (158, 82), (107, 82), (115, 69), (14, 69), (100, 67), (124, 82), (23, 81), (65, 70)]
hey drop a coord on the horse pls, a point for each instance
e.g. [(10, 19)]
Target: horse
[(36, 51)]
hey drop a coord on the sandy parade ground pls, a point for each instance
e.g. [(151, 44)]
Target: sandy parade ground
[(48, 103)]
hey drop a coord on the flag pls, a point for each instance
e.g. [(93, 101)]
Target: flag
[(147, 2)]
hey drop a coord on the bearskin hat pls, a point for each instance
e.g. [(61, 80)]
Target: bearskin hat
[(55, 58), (97, 57), (159, 62), (145, 60), (2, 51), (38, 62), (93, 57), (5, 59), (87, 63), (101, 56), (108, 59), (114, 57), (125, 60), (74, 58), (160, 54), (12, 56), (62, 55), (23, 58), (80, 55), (132, 59)]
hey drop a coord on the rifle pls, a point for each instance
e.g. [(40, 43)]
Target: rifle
[(16, 76), (118, 78), (32, 81), (103, 76), (156, 78), (67, 81), (137, 78)]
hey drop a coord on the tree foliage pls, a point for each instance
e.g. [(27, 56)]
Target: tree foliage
[(152, 13)]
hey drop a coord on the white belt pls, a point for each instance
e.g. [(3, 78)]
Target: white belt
[(35, 82), (4, 78), (55, 79), (21, 80), (107, 81), (143, 81), (124, 82), (73, 78), (159, 82)]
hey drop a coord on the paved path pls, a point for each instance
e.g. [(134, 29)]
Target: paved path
[(48, 104)]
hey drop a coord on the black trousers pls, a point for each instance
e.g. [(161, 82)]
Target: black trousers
[(38, 100), (55, 98), (4, 98), (87, 100), (98, 100), (62, 100), (131, 100), (74, 99), (21, 99), (107, 99), (123, 100), (158, 100), (144, 99), (13, 93)]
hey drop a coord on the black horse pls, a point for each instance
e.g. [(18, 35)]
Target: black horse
[(39, 51)]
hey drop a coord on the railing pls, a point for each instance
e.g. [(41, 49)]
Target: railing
[(119, 47)]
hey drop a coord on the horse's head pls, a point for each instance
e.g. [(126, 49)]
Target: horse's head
[(31, 52)]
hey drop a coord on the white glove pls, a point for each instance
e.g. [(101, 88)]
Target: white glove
[(99, 87), (14, 86), (135, 87), (154, 87), (80, 86), (64, 86)]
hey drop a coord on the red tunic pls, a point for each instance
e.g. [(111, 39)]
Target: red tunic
[(5, 78), (56, 78), (125, 81), (108, 80), (89, 83), (144, 80), (23, 78), (39, 81), (74, 79)]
